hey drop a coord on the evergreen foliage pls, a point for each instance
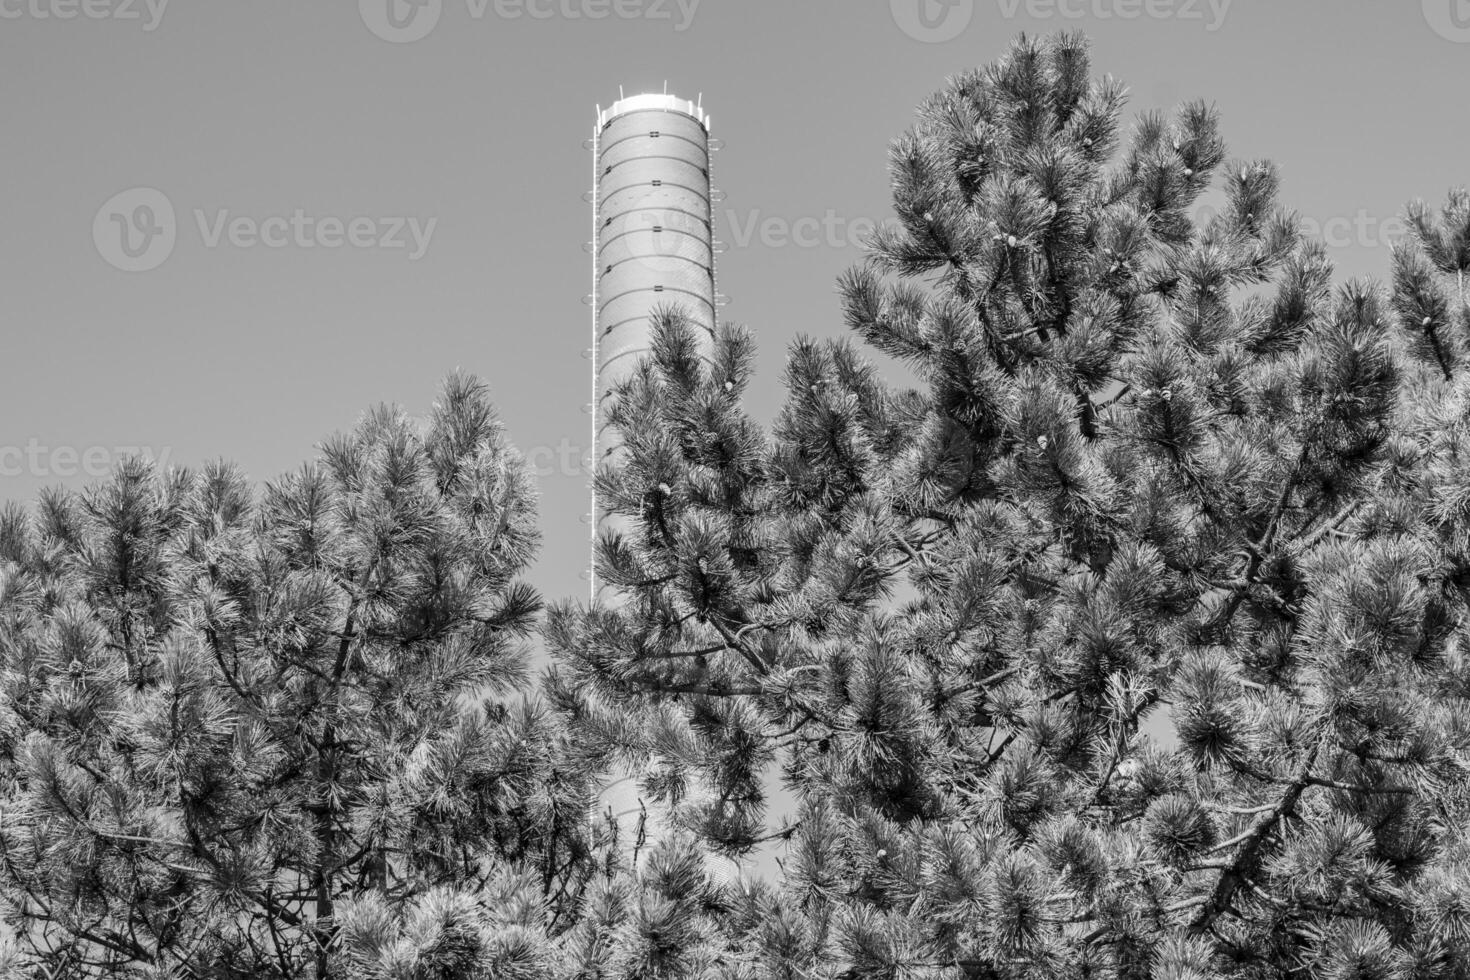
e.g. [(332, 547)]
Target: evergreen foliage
[(1131, 642), (237, 724)]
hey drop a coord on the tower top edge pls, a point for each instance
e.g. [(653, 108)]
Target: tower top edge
[(655, 101)]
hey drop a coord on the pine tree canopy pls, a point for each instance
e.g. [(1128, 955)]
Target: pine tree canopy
[(269, 734), (1128, 644), (1131, 642)]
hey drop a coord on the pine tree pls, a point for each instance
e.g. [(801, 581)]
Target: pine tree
[(1130, 643), (287, 733)]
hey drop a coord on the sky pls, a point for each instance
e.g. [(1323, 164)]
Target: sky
[(329, 205)]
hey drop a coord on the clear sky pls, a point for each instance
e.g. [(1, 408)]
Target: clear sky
[(417, 174)]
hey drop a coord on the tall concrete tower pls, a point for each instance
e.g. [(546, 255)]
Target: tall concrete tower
[(652, 240), (652, 246)]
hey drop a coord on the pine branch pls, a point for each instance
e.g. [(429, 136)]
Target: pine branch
[(1252, 842)]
